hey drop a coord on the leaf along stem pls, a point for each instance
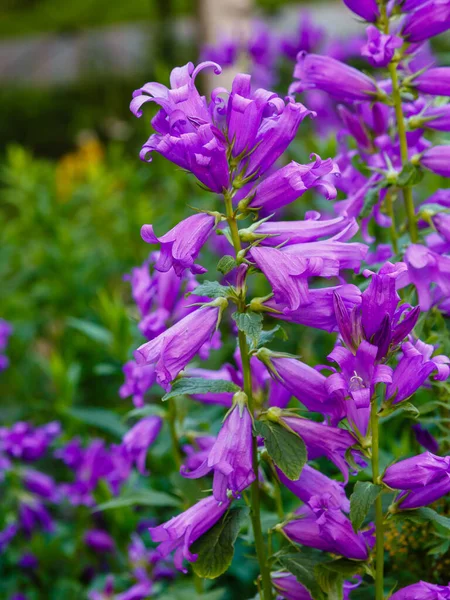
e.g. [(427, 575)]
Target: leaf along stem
[(379, 518)]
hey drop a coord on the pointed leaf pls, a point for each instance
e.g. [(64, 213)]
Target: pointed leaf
[(226, 264), (302, 567), (364, 495), (251, 324), (211, 289), (285, 448), (198, 385)]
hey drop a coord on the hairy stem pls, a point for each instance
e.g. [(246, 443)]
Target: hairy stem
[(172, 419), (255, 510), (393, 228), (379, 518), (407, 190)]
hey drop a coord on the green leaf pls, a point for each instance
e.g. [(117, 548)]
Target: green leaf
[(330, 582), (267, 335), (285, 448), (370, 199), (302, 567), (226, 264), (215, 548), (143, 498), (251, 324), (409, 175), (345, 567), (99, 417), (364, 495), (420, 515), (211, 289), (197, 385), (91, 330)]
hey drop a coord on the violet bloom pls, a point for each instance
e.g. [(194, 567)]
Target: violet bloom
[(5, 332), (141, 287), (99, 540), (425, 438), (435, 81), (26, 442), (7, 535), (437, 159), (417, 472), (181, 531), (140, 437), (34, 515), (442, 224), (347, 255), (426, 268), (231, 455), (41, 484), (413, 369), (307, 37), (288, 587), (139, 591), (311, 480), (380, 47), (182, 244), (366, 9), (321, 524), (319, 312), (332, 76), (138, 380), (171, 351), (288, 274), (434, 117), (28, 561), (427, 21), (423, 591), (290, 182)]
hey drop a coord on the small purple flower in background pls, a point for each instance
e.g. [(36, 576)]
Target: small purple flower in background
[(99, 541), (231, 455), (28, 561), (288, 587), (307, 37), (33, 515), (138, 380), (7, 535), (425, 439), (427, 268), (5, 332), (366, 9), (25, 442), (423, 591), (380, 48), (41, 484), (181, 531), (140, 437)]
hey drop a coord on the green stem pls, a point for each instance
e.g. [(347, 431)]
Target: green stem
[(393, 228), (407, 190), (172, 419), (255, 510), (379, 518)]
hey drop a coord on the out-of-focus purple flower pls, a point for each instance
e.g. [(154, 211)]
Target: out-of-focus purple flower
[(71, 454), (437, 159), (427, 21), (8, 534), (138, 380), (139, 591), (380, 47), (181, 245), (140, 437), (181, 531), (433, 117), (413, 370), (426, 268), (332, 76), (224, 53), (231, 455), (5, 332), (290, 182), (141, 286), (366, 9), (288, 587), (28, 561), (435, 81), (34, 515), (310, 481), (319, 311), (99, 540), (171, 351), (197, 452), (26, 442), (39, 483), (423, 591), (425, 439), (307, 37), (107, 593), (321, 524), (288, 274)]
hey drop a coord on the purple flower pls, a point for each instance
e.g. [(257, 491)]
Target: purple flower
[(107, 593), (380, 48), (71, 454), (99, 540), (5, 331), (33, 515), (140, 437), (366, 9), (321, 524), (288, 274), (182, 244), (348, 256), (181, 531), (425, 439), (172, 350), (288, 587), (224, 53), (28, 561), (427, 21), (290, 182), (423, 591), (138, 380), (41, 484), (7, 535), (24, 441), (306, 37), (413, 370), (332, 76), (141, 287), (434, 81), (231, 455), (139, 591), (417, 472), (437, 159), (426, 268), (310, 481), (434, 117)]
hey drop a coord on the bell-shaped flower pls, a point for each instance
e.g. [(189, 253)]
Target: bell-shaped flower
[(321, 524), (417, 472), (425, 438), (288, 587), (380, 47), (231, 455), (140, 437), (99, 540), (34, 515), (413, 369), (423, 591), (310, 481), (288, 274), (435, 81), (427, 21), (427, 268), (290, 182), (332, 76), (437, 160), (181, 245), (40, 484), (366, 9), (347, 255), (171, 351), (138, 380), (181, 531)]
